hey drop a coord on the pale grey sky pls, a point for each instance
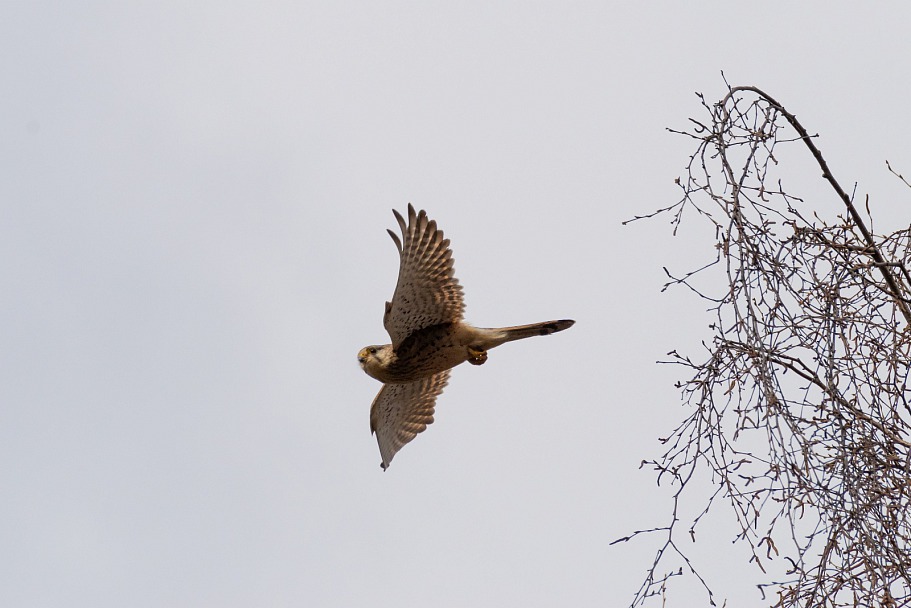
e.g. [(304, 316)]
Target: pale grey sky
[(193, 205)]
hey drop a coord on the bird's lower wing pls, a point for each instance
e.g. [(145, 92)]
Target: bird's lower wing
[(401, 411)]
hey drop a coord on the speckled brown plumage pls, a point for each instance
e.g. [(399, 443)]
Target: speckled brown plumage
[(424, 320), (427, 292), (401, 411)]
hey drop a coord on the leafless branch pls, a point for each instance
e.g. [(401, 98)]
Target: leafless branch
[(799, 409)]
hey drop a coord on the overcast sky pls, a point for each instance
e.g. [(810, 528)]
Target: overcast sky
[(193, 210)]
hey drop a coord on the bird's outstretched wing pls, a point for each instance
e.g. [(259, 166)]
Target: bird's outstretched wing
[(427, 292), (401, 411)]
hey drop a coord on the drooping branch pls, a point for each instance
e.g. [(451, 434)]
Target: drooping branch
[(901, 300)]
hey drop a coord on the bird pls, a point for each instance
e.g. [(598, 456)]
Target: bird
[(429, 336)]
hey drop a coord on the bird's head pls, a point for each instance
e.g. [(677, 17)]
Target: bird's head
[(373, 359)]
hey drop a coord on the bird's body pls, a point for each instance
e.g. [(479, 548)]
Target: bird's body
[(429, 338), (437, 348)]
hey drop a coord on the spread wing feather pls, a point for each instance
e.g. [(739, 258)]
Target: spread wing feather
[(401, 411), (427, 292)]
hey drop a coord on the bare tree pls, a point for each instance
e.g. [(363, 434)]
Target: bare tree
[(798, 411)]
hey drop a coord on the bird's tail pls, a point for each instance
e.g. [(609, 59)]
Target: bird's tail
[(535, 329)]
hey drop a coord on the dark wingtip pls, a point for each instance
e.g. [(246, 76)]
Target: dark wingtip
[(555, 326)]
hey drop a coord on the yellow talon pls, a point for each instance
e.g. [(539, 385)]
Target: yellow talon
[(476, 356)]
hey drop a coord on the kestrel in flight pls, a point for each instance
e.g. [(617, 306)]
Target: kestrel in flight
[(429, 338)]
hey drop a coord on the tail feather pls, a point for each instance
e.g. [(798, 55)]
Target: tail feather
[(535, 329)]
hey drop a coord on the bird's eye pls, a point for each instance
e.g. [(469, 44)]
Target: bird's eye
[(372, 350)]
